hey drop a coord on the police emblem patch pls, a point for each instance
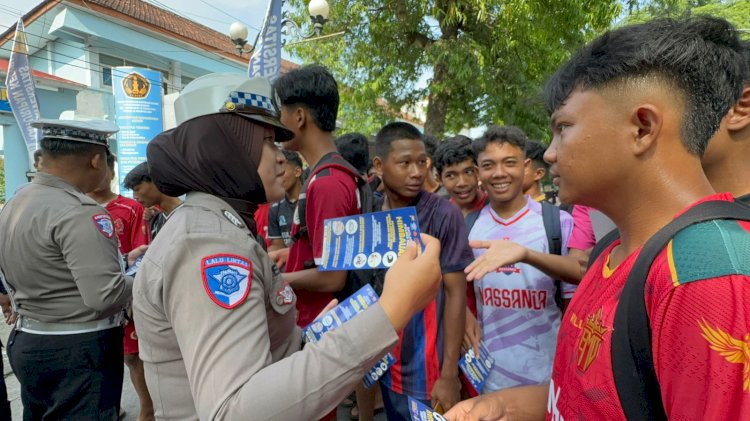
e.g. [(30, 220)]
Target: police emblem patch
[(104, 224), (227, 278), (285, 295)]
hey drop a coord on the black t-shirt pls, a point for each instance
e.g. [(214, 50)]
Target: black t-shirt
[(280, 221)]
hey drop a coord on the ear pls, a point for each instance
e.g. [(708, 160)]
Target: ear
[(298, 172), (647, 121), (429, 163), (739, 115), (526, 164), (377, 163), (98, 160), (299, 116), (539, 174)]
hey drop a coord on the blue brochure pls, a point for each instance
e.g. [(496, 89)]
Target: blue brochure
[(369, 241), (422, 412), (350, 307), (476, 369)]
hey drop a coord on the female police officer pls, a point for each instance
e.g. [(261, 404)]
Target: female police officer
[(216, 322)]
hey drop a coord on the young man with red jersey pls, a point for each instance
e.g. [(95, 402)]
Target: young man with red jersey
[(308, 99), (132, 231), (427, 353), (632, 114)]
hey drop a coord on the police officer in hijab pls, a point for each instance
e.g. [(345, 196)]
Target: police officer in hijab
[(216, 322)]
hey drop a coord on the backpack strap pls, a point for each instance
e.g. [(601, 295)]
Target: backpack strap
[(472, 217), (551, 220), (602, 245), (329, 160), (632, 360)]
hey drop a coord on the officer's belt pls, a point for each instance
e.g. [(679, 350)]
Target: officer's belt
[(28, 325)]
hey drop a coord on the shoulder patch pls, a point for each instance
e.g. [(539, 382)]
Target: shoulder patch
[(285, 295), (709, 250), (104, 224), (227, 278), (233, 219)]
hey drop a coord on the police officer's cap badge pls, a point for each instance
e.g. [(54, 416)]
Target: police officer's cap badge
[(227, 278), (104, 224)]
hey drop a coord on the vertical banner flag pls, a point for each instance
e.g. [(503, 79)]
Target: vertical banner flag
[(138, 113), (21, 91), (266, 59)]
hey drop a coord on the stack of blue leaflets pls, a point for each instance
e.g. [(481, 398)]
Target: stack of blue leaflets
[(350, 307)]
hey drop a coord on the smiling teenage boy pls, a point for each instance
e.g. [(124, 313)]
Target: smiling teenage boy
[(427, 353), (645, 99), (456, 168)]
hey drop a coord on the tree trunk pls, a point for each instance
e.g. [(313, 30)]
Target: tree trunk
[(437, 107)]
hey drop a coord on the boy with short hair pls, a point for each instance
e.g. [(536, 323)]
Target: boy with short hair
[(427, 354), (145, 192), (520, 290), (280, 213), (456, 168), (308, 99), (645, 100), (535, 172)]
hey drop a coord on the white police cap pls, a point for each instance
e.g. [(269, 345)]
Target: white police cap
[(230, 93), (90, 131)]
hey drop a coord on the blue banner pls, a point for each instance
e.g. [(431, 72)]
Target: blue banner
[(138, 113), (369, 241), (477, 368), (266, 59), (22, 91)]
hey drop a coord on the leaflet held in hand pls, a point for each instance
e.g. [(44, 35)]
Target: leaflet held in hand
[(347, 309), (368, 241)]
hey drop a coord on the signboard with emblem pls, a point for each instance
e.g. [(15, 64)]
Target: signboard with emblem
[(369, 241), (138, 113)]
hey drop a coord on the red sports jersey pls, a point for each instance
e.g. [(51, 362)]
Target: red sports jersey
[(332, 193), (127, 216), (698, 302)]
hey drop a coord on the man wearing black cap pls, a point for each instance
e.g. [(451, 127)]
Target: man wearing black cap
[(59, 257)]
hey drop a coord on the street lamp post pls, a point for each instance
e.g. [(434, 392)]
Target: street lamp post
[(318, 9)]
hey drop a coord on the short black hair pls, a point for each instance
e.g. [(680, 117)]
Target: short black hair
[(314, 88), (137, 175), (535, 152), (354, 148), (392, 132), (453, 151), (293, 158), (500, 134), (697, 58), (63, 147), (111, 159), (430, 144)]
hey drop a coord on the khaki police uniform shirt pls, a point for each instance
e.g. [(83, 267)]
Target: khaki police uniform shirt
[(58, 251), (205, 361)]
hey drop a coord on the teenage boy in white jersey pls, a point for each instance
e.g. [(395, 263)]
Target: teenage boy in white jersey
[(516, 303)]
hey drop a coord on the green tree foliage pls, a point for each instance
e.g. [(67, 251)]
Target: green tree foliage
[(735, 11), (485, 61)]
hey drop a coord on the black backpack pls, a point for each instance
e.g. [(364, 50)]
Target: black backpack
[(632, 361), (355, 279), (551, 218)]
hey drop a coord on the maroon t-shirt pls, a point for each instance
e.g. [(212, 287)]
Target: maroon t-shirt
[(331, 193)]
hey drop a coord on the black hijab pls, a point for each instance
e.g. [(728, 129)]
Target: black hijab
[(216, 154)]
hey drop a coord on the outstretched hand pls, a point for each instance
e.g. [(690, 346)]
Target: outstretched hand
[(499, 253)]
